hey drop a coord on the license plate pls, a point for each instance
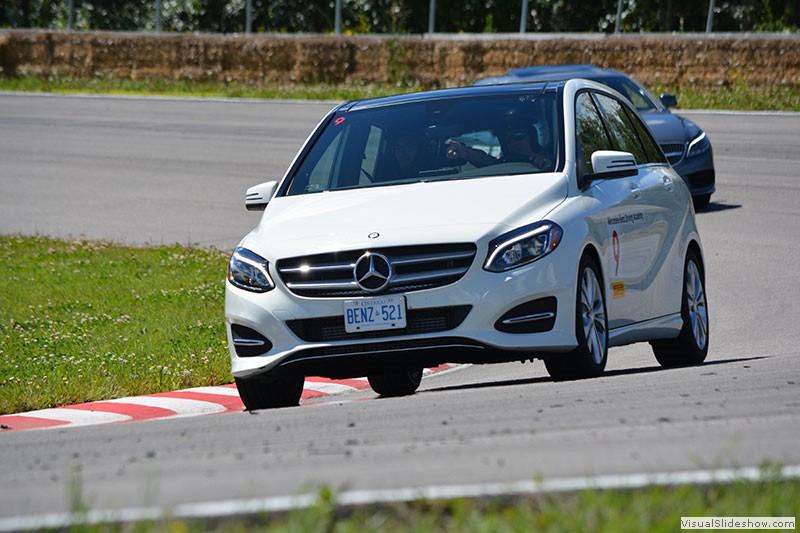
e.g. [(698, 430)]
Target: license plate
[(374, 314)]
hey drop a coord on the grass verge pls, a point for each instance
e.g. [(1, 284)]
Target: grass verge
[(83, 321), (657, 509), (735, 97), (184, 88)]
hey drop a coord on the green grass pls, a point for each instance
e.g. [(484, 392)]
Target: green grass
[(83, 321), (182, 88), (652, 510), (736, 97)]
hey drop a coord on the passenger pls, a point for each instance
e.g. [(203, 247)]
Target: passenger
[(405, 151)]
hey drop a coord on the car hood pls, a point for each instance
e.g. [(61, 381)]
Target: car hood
[(666, 127), (419, 213)]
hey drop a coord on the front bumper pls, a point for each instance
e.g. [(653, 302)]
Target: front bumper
[(460, 322), (698, 173)]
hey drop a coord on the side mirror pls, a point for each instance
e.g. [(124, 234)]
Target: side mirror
[(668, 100), (259, 196), (609, 164)]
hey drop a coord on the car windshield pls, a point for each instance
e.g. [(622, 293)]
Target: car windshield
[(442, 139), (631, 91)]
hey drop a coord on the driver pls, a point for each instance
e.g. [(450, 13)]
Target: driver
[(518, 141)]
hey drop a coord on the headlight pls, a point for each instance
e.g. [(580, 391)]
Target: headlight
[(522, 246), (249, 271), (699, 145)]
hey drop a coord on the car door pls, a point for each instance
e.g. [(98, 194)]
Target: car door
[(612, 218), (646, 226)]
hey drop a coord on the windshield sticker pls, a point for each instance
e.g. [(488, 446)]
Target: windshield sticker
[(339, 120)]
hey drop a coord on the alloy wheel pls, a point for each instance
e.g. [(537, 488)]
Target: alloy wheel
[(593, 315)]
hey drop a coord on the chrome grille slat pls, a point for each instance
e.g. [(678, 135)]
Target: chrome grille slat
[(415, 268), (319, 268), (431, 257), (415, 278), (673, 151), (326, 286)]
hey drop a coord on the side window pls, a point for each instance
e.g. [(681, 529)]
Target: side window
[(592, 135), (622, 128), (654, 154)]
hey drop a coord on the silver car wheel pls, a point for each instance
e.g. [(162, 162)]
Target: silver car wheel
[(593, 315), (696, 303)]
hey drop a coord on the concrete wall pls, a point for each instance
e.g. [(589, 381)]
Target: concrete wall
[(444, 61)]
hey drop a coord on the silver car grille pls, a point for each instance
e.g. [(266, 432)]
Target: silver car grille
[(414, 268), (674, 152)]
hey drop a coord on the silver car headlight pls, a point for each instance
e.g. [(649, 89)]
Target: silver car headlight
[(523, 245), (699, 145), (249, 271)]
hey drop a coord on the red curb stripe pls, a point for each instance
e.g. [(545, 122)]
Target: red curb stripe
[(135, 411), (21, 422), (230, 403), (308, 394), (359, 384)]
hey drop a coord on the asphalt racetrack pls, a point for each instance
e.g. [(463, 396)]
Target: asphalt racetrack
[(161, 171)]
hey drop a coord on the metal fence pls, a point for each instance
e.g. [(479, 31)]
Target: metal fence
[(525, 13)]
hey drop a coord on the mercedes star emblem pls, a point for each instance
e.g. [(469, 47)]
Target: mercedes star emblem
[(372, 272)]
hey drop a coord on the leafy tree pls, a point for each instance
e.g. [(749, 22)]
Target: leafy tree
[(403, 16)]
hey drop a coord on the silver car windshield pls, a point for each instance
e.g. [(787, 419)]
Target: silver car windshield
[(444, 139)]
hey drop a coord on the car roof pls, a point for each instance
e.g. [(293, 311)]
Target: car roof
[(562, 72), (461, 92), (544, 73)]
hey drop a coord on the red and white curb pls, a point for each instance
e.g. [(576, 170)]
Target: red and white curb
[(189, 402)]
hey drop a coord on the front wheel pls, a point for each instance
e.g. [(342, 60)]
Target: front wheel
[(402, 383), (691, 345), (270, 392), (591, 329)]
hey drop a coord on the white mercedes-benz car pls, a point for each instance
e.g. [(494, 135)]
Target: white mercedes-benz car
[(480, 225)]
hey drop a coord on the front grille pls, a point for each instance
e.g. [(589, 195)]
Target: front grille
[(331, 328), (674, 152), (415, 268)]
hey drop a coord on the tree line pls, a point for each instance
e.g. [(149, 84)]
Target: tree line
[(401, 16)]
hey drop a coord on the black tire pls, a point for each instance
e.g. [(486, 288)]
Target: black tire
[(588, 360), (691, 346), (270, 392), (701, 201), (402, 383)]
